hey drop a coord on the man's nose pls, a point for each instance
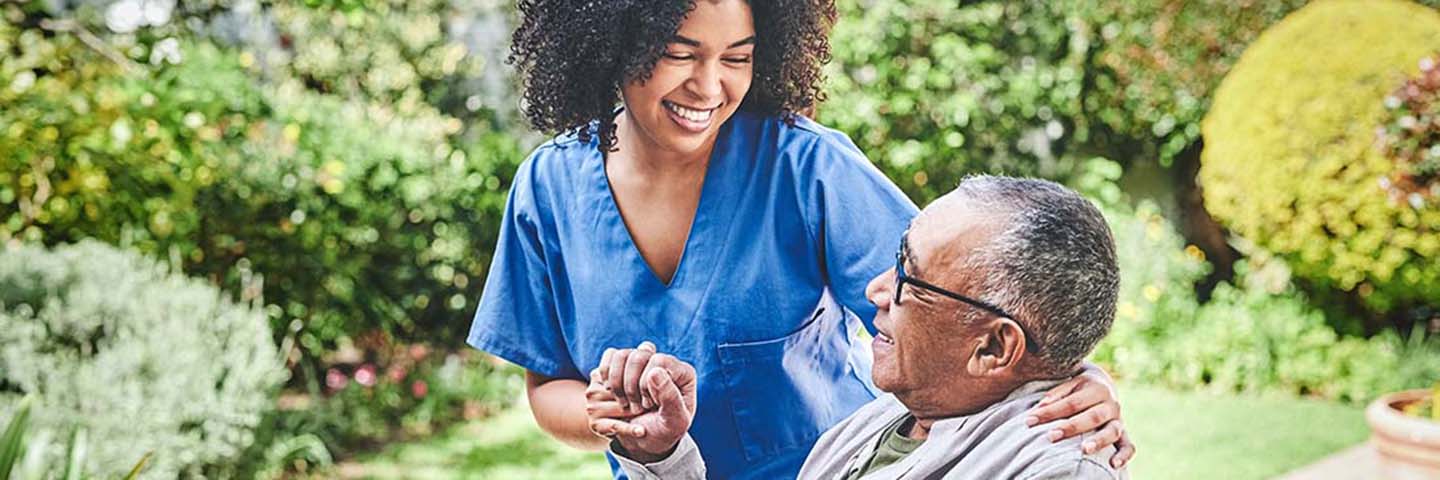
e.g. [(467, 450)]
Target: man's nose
[(878, 290)]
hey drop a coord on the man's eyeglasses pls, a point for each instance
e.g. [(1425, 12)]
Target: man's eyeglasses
[(901, 279)]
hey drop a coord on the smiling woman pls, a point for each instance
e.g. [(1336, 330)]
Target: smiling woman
[(686, 203)]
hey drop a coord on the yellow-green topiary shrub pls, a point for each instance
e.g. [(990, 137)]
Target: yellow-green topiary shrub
[(1290, 159)]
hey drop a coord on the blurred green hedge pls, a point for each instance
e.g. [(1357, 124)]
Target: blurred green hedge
[(1290, 159), (141, 358), (358, 215), (1255, 334)]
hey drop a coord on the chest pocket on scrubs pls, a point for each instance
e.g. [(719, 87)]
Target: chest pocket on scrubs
[(786, 391)]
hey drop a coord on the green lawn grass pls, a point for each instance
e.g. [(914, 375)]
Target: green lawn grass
[(1180, 436), (1201, 435)]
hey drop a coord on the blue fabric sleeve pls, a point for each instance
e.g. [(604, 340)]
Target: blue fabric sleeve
[(855, 214), (517, 319)]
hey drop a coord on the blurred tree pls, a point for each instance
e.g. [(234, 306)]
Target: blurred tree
[(1291, 160)]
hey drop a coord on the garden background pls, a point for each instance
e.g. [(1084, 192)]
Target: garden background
[(246, 236)]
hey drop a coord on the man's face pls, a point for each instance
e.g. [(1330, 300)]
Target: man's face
[(923, 342)]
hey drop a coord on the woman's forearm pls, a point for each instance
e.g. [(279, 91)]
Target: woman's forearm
[(559, 408)]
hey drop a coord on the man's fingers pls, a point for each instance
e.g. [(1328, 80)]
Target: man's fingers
[(615, 378), (609, 427), (634, 368), (604, 367), (1107, 436), (1124, 451), (667, 395)]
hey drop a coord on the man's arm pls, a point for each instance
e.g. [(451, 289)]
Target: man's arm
[(683, 464), (1082, 469)]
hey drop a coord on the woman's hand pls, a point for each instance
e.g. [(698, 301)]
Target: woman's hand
[(1087, 403), (607, 417)]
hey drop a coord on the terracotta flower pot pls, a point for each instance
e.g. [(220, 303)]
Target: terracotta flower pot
[(1407, 447)]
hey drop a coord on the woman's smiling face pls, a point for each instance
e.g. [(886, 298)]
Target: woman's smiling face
[(699, 81)]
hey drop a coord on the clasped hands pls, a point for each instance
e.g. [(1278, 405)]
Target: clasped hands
[(644, 401)]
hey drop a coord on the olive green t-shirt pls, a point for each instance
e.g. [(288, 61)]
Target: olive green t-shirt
[(893, 447)]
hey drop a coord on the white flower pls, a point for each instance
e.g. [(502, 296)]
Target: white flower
[(22, 81), (1426, 64), (1054, 130), (1407, 122), (157, 12), (124, 16), (194, 120), (167, 50), (1392, 102)]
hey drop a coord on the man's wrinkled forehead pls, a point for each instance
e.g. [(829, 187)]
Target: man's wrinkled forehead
[(947, 230)]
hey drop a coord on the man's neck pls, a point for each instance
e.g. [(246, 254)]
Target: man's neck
[(931, 407)]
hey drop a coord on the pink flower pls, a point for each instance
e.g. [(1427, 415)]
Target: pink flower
[(365, 375), (419, 388), (335, 380), (418, 351), (396, 373)]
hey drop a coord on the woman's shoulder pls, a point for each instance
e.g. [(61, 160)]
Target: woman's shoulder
[(800, 142), (555, 167)]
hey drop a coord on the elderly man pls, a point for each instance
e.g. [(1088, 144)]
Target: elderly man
[(999, 291)]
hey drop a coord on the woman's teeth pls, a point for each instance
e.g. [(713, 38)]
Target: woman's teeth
[(689, 114), (884, 338)]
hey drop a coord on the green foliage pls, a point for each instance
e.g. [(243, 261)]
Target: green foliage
[(1157, 63), (12, 441), (1290, 163), (356, 215), (403, 53), (1257, 335), (394, 391), (932, 91), (141, 358)]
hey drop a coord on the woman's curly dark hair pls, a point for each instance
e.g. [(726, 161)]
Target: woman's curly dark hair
[(574, 55)]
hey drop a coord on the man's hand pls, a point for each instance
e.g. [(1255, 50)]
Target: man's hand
[(663, 395), (1088, 404)]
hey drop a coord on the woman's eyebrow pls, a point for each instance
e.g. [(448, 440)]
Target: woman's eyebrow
[(681, 39)]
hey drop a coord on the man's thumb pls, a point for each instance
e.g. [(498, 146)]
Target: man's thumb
[(665, 393)]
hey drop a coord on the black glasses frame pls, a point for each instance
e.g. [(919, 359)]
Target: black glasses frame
[(901, 278)]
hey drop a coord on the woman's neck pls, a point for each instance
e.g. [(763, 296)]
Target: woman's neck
[(642, 156)]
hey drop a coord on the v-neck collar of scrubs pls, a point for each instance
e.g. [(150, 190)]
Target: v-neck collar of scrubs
[(705, 226)]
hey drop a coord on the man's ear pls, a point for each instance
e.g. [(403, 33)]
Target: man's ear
[(998, 348)]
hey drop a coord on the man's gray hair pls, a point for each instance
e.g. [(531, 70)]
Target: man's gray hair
[(1052, 264)]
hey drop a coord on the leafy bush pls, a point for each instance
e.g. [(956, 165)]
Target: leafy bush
[(14, 448), (379, 390), (140, 358), (985, 86), (357, 215), (1289, 160), (1258, 334), (1158, 62), (1410, 135)]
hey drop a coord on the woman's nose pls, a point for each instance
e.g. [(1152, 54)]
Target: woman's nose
[(705, 81)]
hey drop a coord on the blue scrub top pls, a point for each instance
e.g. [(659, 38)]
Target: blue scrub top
[(793, 222)]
